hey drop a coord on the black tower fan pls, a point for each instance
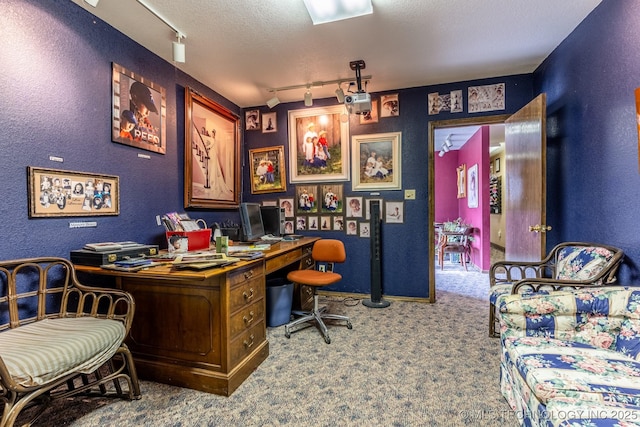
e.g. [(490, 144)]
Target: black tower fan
[(376, 300)]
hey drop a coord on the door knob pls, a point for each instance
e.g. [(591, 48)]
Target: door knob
[(539, 228)]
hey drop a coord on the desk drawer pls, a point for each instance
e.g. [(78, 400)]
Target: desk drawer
[(242, 275), (247, 317), (285, 259), (246, 294), (246, 342)]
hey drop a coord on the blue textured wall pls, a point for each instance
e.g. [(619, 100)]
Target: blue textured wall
[(592, 137), (55, 82)]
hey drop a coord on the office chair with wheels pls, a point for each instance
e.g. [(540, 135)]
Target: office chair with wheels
[(327, 251)]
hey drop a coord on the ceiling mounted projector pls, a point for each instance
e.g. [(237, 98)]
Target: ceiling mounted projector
[(359, 102)]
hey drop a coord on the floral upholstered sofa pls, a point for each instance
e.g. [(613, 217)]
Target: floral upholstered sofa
[(572, 358)]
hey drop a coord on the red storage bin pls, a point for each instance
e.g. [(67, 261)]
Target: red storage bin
[(196, 240)]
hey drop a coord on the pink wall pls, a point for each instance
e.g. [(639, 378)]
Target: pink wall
[(446, 189), (449, 207)]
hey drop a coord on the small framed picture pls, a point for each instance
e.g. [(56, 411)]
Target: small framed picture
[(312, 223), (338, 223), (394, 212), (268, 167), (354, 207), (368, 212), (325, 223), (269, 124), (252, 120), (371, 116), (287, 205), (288, 227), (365, 229), (352, 227), (307, 199), (389, 106), (301, 223), (498, 165), (332, 198)]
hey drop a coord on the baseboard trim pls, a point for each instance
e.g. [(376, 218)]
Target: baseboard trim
[(366, 296)]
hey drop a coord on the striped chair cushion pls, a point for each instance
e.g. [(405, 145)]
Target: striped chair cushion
[(46, 350)]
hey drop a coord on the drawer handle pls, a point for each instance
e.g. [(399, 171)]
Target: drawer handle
[(309, 262), (248, 274), (248, 344), (248, 296), (248, 320)]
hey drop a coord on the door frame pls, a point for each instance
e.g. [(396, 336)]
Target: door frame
[(433, 125)]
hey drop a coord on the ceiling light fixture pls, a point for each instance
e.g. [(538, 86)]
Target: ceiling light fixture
[(308, 99), (178, 47), (340, 94), (273, 101), (323, 11), (308, 86), (178, 50)]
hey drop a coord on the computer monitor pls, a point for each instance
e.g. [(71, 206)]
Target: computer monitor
[(273, 220), (251, 219)]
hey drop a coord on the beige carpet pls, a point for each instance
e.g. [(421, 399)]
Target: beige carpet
[(411, 364)]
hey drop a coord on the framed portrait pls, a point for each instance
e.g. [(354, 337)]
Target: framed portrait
[(287, 205), (252, 119), (318, 145), (371, 116), (394, 213), (211, 154), (267, 170), (58, 193), (461, 172), (325, 223), (332, 196), (306, 199), (377, 162), (338, 223), (352, 227), (354, 207), (269, 123), (365, 229), (288, 227), (312, 222), (301, 223), (368, 206), (389, 106), (139, 111), (472, 186)]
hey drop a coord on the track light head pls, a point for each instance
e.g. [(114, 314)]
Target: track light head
[(340, 94), (178, 49), (441, 153), (445, 147), (308, 99), (273, 101), (448, 142)]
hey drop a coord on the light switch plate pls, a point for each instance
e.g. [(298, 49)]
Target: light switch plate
[(409, 194)]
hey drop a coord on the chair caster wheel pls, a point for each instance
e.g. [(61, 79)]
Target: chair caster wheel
[(349, 325), (327, 339)]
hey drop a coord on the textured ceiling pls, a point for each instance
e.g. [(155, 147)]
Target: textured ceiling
[(240, 49)]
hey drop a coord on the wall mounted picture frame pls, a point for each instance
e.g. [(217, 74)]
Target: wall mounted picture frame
[(389, 105), (62, 193), (394, 212), (267, 170), (327, 159), (332, 198), (367, 215), (212, 154), (371, 116), (338, 223), (252, 120), (139, 111), (306, 199), (352, 227), (287, 205), (365, 229), (354, 207), (377, 161), (472, 186), (497, 165), (269, 122), (461, 173)]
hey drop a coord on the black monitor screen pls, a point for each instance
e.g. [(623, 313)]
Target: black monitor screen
[(251, 218)]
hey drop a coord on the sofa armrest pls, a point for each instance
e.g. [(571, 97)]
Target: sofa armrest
[(505, 272)]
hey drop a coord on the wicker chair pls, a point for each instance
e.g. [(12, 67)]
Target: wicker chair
[(569, 265), (59, 338)]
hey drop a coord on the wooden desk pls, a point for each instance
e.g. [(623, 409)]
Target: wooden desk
[(203, 330)]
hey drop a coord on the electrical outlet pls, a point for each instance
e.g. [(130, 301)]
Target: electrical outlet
[(409, 194)]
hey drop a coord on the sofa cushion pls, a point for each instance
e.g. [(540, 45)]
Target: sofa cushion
[(573, 371), (581, 263), (49, 349)]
